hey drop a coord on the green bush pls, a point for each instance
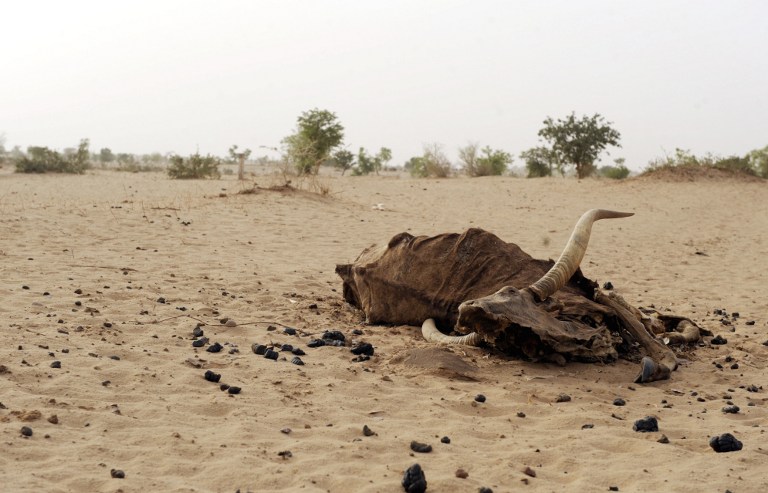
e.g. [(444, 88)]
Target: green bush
[(195, 166), (44, 160), (614, 172), (539, 161)]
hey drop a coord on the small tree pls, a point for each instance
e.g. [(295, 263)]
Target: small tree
[(758, 160), (195, 166), (344, 160), (239, 157), (317, 134), (106, 156), (579, 142), (43, 160), (433, 163), (539, 161), (367, 164), (618, 172)]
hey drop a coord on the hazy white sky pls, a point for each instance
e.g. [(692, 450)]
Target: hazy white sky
[(146, 76)]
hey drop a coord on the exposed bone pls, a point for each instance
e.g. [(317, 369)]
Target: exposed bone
[(431, 334), (572, 254)]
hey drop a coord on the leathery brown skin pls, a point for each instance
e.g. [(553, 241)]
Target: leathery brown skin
[(556, 278)]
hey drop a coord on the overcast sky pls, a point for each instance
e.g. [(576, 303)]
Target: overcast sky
[(145, 76)]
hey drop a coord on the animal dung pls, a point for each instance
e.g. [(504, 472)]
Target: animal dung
[(421, 448), (414, 480)]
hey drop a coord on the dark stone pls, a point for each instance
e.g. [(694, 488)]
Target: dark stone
[(361, 358), (421, 448), (619, 401), (161, 300), (480, 398), (117, 474), (234, 390), (484, 489), (587, 426), (357, 332), (286, 347), (26, 431), (735, 366), (200, 342), (414, 480), (331, 342), (285, 454), (563, 398), (212, 377), (646, 424), (731, 409), (290, 331), (719, 340), (752, 388), (316, 343), (608, 286), (367, 431), (56, 364), (613, 488), (313, 306), (77, 291), (271, 354), (725, 443), (663, 439), (215, 348), (197, 331), (445, 440), (520, 414), (363, 348), (224, 387), (750, 322), (298, 351), (297, 361), (334, 335), (259, 349), (115, 357)]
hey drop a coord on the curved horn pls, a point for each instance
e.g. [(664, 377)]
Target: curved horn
[(571, 257), (431, 334)]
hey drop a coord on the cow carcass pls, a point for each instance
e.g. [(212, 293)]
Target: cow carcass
[(491, 292)]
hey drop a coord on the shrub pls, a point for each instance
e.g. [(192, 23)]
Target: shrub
[(195, 166), (539, 161), (614, 172), (44, 160), (491, 163), (433, 163)]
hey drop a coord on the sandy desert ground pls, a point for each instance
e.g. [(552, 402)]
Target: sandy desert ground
[(84, 261)]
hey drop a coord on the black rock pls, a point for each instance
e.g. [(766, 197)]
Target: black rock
[(334, 335), (619, 401), (422, 448), (357, 332), (563, 398), (224, 387), (259, 349), (484, 489), (234, 390), (725, 443), (613, 488), (360, 358), (271, 354), (333, 342), (200, 342), (718, 340), (161, 300), (363, 348), (752, 388), (56, 364), (750, 322), (286, 347), (215, 348), (646, 424), (285, 454), (445, 440), (26, 431), (731, 409), (197, 331), (608, 286), (290, 331), (367, 431), (663, 439), (117, 474), (298, 351), (212, 377), (480, 398), (297, 361), (414, 480), (316, 343)]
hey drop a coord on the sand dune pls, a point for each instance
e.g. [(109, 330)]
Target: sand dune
[(109, 273)]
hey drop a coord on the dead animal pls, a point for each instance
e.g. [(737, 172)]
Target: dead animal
[(490, 291)]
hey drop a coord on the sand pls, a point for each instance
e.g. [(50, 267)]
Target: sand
[(78, 253)]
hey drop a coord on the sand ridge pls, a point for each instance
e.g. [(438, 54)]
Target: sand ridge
[(130, 392)]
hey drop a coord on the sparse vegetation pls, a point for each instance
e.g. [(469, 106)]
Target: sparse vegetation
[(317, 135), (490, 163), (193, 167), (617, 172), (539, 161), (45, 160), (367, 164), (758, 160), (433, 163), (343, 160)]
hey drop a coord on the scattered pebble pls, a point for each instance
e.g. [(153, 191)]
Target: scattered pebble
[(731, 409), (290, 331), (414, 480), (461, 473), (215, 348), (361, 358), (298, 351), (480, 398), (421, 448), (445, 440), (725, 443), (161, 300), (333, 335), (619, 401), (357, 332), (363, 348), (53, 419), (200, 342), (212, 377), (613, 488), (234, 390), (367, 431), (718, 340), (316, 343), (259, 349), (608, 286), (297, 361), (286, 431), (563, 398), (648, 423), (198, 331), (529, 472), (285, 454), (271, 354), (26, 431), (587, 426), (663, 439), (286, 347), (224, 387), (56, 364), (484, 489), (520, 414), (752, 388), (117, 474), (230, 323), (750, 322)]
